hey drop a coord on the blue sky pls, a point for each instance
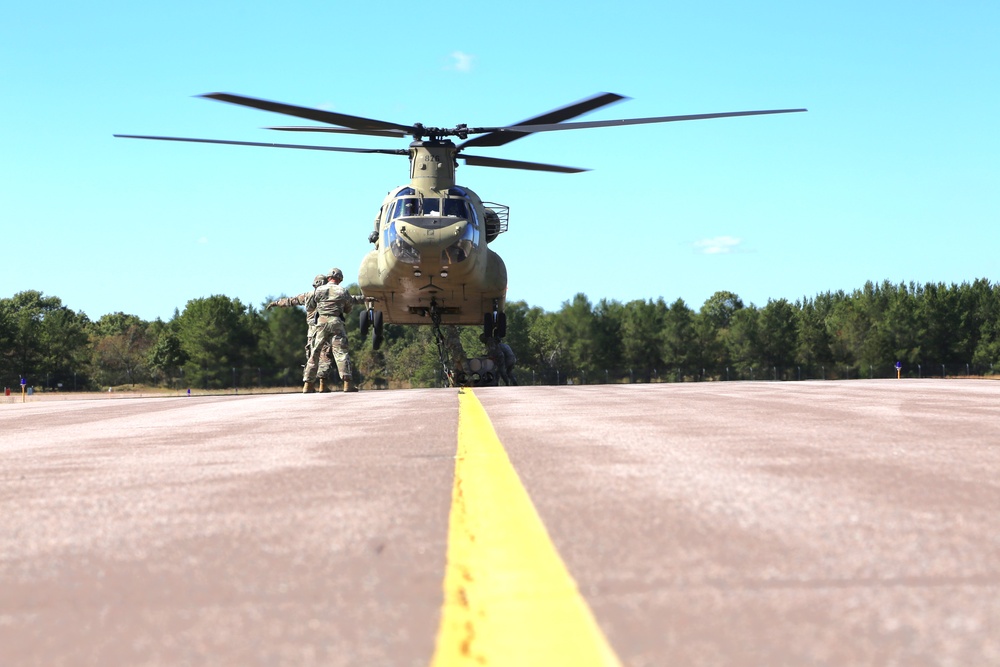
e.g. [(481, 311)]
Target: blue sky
[(893, 174)]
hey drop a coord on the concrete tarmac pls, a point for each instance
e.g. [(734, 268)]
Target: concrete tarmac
[(806, 523)]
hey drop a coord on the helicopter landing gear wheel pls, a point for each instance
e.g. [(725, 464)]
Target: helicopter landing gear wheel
[(495, 324), (370, 318), (364, 321), (376, 318)]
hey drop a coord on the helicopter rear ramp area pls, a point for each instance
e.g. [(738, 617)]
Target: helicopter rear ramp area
[(717, 523)]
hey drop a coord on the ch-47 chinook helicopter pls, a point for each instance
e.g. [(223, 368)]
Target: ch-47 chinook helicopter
[(431, 263)]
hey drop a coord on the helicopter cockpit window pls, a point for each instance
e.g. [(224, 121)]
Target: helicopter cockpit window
[(406, 206), (431, 206), (457, 207), (451, 206)]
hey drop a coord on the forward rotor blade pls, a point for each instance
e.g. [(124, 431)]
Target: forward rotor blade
[(395, 134), (330, 117), (638, 121), (497, 138), (517, 164), (384, 151)]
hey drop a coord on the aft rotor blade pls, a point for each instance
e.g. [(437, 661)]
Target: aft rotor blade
[(330, 117), (384, 151), (396, 134), (638, 121), (497, 138), (517, 164)]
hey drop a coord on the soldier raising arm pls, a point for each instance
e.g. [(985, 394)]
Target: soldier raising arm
[(308, 300), (333, 302)]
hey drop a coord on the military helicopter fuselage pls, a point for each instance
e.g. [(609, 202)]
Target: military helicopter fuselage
[(431, 246)]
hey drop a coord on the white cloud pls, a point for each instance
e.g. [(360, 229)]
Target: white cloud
[(719, 245), (460, 62)]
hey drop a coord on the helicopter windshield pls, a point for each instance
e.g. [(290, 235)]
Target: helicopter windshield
[(456, 207), (406, 206), (412, 206)]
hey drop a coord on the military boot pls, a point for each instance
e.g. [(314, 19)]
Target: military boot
[(322, 386), (350, 386), (308, 388)]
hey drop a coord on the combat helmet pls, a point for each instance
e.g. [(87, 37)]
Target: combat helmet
[(320, 279), (336, 274)]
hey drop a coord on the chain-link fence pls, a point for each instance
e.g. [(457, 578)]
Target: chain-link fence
[(753, 373), (261, 378)]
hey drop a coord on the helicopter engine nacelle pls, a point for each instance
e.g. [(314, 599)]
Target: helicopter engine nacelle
[(496, 220)]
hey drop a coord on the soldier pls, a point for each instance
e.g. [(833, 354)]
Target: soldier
[(325, 358), (495, 351), (508, 362), (459, 362), (333, 302)]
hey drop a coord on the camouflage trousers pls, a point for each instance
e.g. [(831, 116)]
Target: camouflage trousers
[(325, 357), (332, 337), (453, 344)]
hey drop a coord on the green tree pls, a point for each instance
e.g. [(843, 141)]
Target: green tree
[(120, 345), (776, 335), (609, 317), (812, 340), (166, 357), (8, 374), (899, 326), (742, 342), (48, 341), (847, 327), (679, 338), (283, 342), (575, 328), (712, 326), (217, 334), (984, 300), (940, 324), (642, 327), (550, 348), (720, 308), (412, 356)]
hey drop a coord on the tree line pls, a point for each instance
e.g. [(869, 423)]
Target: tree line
[(217, 342)]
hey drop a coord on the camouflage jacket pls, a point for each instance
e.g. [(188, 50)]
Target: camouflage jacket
[(304, 299), (332, 300), (508, 355)]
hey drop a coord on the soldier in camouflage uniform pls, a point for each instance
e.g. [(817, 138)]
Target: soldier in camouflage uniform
[(503, 356), (494, 352), (459, 362), (333, 302), (508, 364), (325, 358)]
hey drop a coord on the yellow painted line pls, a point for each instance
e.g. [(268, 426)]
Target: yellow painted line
[(508, 598)]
